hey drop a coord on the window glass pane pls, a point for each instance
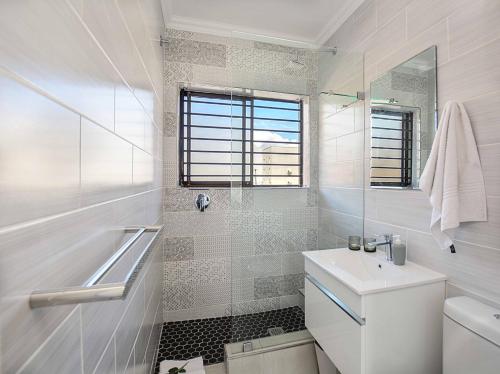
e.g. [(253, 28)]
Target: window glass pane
[(276, 181), (216, 151), (276, 136)]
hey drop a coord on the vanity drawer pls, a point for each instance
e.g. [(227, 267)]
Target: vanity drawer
[(334, 329), (344, 293)]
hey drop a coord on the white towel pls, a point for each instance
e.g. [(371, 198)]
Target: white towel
[(195, 366), (452, 177)]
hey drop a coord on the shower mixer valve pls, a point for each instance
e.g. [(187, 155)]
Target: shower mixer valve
[(202, 202)]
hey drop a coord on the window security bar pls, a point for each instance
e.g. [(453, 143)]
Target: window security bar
[(92, 290)]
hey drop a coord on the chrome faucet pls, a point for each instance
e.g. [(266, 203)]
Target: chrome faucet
[(388, 239)]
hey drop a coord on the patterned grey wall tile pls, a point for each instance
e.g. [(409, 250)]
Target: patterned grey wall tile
[(179, 199), (292, 300), (292, 263), (291, 284), (269, 242), (312, 240), (255, 266), (267, 221), (170, 175), (279, 48), (179, 296), (242, 290), (178, 248), (195, 52), (295, 240), (278, 285), (256, 306), (242, 245), (299, 219), (227, 230), (174, 33), (174, 74), (213, 293), (197, 271), (170, 124), (212, 246), (267, 287)]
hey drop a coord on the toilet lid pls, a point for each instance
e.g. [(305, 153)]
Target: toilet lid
[(480, 318)]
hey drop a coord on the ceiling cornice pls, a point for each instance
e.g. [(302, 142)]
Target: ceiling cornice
[(334, 24), (230, 30)]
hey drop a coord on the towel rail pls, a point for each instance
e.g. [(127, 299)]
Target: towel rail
[(91, 290)]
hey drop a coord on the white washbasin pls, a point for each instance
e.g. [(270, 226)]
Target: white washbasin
[(366, 273)]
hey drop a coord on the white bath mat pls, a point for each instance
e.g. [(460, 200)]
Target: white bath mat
[(195, 366)]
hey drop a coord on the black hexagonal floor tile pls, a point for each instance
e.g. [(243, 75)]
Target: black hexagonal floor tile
[(184, 340)]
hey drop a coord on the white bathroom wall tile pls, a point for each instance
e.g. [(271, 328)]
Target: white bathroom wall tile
[(61, 352), (40, 160), (423, 14), (107, 27), (436, 35), (464, 77), (150, 51), (279, 198), (472, 267), (411, 207), (350, 146), (337, 124), (142, 169), (465, 35), (390, 36), (345, 200), (345, 225), (490, 154), (128, 328), (99, 320), (107, 363), (70, 67), (387, 9), (483, 233), (106, 160), (374, 228), (484, 112), (56, 253), (130, 118)]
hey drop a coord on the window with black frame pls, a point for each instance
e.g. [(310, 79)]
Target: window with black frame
[(391, 143), (240, 140)]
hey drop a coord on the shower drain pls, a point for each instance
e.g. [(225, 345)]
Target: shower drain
[(275, 331)]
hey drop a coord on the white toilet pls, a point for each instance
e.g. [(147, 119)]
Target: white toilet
[(471, 339)]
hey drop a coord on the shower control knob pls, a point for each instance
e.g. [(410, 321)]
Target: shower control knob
[(202, 202)]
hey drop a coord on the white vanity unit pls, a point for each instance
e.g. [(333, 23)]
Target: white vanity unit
[(373, 317)]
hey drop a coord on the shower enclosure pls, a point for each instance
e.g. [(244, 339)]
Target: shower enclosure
[(251, 138)]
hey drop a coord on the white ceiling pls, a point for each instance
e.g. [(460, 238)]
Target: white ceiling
[(296, 21)]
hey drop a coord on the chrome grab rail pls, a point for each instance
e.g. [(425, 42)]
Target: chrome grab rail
[(91, 291)]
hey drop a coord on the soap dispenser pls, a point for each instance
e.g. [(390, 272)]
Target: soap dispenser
[(398, 251)]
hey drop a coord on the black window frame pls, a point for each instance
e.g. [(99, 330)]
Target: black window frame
[(185, 178), (406, 120)]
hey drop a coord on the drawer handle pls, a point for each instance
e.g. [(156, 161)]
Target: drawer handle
[(359, 320)]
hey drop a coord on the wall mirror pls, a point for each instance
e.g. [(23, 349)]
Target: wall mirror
[(403, 115)]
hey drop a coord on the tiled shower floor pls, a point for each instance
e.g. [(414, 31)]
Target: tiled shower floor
[(206, 337)]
